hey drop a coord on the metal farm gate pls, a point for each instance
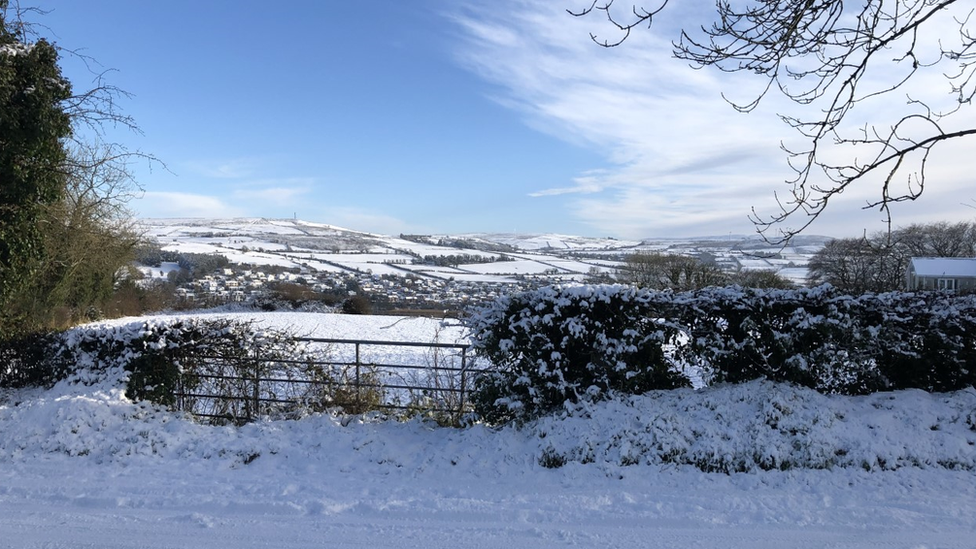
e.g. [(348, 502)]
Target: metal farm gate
[(349, 375)]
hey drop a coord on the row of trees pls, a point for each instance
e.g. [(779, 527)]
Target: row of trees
[(658, 271), (65, 235), (455, 260), (877, 263)]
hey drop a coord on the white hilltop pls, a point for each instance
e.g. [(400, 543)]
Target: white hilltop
[(492, 256), (551, 241)]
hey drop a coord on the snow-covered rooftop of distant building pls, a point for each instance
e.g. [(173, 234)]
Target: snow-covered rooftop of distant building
[(944, 266)]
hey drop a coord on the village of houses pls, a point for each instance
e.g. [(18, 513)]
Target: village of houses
[(258, 261), (263, 258)]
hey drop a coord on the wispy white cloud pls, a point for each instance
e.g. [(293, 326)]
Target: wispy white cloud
[(275, 192), (367, 220), (665, 131), (172, 204), (237, 193), (281, 197), (593, 181), (233, 168), (680, 159)]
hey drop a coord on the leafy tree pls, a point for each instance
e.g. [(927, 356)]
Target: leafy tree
[(202, 264), (149, 253), (179, 276), (357, 305), (828, 56)]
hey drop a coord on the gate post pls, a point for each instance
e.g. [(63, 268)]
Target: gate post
[(464, 381), (359, 387)]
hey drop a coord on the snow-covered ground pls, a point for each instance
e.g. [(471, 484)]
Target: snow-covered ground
[(82, 466), (294, 243), (335, 326)]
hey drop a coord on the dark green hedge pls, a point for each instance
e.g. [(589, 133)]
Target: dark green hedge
[(565, 344)]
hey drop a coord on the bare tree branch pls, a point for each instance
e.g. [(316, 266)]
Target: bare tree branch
[(641, 16), (827, 53)]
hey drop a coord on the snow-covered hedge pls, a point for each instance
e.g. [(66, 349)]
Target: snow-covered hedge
[(831, 342), (560, 345), (191, 355), (752, 426), (173, 363), (556, 345), (761, 425)]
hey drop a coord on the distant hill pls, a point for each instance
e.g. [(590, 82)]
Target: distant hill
[(473, 256)]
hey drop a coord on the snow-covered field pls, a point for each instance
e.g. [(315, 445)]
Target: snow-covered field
[(82, 466), (336, 326), (294, 244)]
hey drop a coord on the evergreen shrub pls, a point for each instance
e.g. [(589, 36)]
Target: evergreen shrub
[(809, 337), (825, 340), (30, 360), (224, 370), (564, 345), (924, 340), (177, 363)]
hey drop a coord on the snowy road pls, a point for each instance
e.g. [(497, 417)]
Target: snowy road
[(71, 502)]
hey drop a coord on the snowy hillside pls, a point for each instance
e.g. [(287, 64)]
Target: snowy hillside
[(82, 466), (498, 258)]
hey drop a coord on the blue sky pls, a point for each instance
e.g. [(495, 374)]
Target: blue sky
[(443, 117)]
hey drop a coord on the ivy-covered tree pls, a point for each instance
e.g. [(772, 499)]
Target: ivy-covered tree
[(33, 126), (88, 241), (65, 233)]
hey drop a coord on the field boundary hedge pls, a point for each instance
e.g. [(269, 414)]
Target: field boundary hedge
[(560, 345)]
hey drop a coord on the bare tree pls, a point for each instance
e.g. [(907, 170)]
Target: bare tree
[(938, 240), (88, 240), (830, 55), (877, 262), (669, 271), (760, 279), (67, 218), (852, 265)]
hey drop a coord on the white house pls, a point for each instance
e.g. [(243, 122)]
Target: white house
[(941, 273)]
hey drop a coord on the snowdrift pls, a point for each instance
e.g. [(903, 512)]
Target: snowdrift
[(754, 426)]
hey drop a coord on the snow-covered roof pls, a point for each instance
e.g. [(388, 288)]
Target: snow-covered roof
[(944, 266)]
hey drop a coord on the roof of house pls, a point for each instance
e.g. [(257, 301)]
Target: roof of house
[(944, 266)]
